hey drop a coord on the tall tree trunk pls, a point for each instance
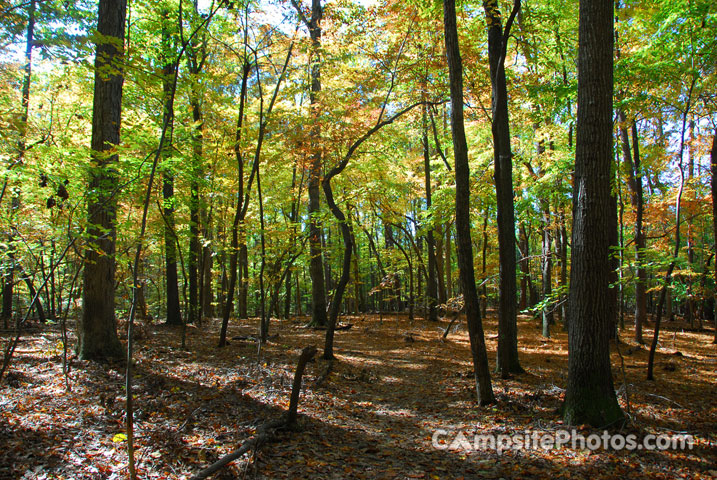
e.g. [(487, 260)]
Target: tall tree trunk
[(484, 262), (524, 264), (316, 265), (174, 314), (440, 266), (564, 269), (228, 302), (676, 252), (448, 262), (9, 278), (196, 58), (547, 267), (464, 246), (713, 184), (97, 329), (690, 307), (431, 287), (590, 395), (206, 293), (243, 280), (631, 157), (507, 355)]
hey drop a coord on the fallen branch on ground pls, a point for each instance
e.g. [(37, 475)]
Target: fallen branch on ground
[(267, 431)]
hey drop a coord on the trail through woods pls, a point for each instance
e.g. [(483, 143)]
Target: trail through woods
[(373, 416)]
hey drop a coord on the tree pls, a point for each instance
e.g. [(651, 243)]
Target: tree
[(713, 185), (97, 330), (507, 356), (174, 314), (463, 231), (590, 395), (316, 268), (9, 278)]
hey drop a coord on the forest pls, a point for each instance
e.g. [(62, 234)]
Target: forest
[(370, 239)]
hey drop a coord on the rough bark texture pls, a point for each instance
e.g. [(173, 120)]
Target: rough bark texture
[(507, 355), (590, 395), (463, 231), (97, 330)]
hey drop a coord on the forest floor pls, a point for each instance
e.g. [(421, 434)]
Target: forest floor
[(394, 383)]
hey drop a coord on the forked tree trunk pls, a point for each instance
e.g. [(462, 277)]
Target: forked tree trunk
[(507, 354)]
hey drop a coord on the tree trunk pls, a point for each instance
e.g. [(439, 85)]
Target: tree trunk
[(97, 329), (465, 250), (440, 268), (713, 184), (316, 266), (547, 266), (590, 395), (206, 292), (431, 287), (174, 315), (9, 279), (564, 269), (484, 261), (524, 264), (448, 263), (631, 157), (507, 355), (243, 280), (196, 57), (228, 302)]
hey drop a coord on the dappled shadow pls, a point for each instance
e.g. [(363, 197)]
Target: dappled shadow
[(391, 387)]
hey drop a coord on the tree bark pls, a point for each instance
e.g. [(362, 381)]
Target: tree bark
[(713, 184), (507, 355), (631, 157), (97, 329), (196, 58), (228, 306), (431, 287), (464, 246), (547, 267), (448, 263), (174, 314), (316, 265), (590, 395), (524, 264)]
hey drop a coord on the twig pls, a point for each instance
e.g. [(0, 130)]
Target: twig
[(663, 398), (266, 431), (624, 379)]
